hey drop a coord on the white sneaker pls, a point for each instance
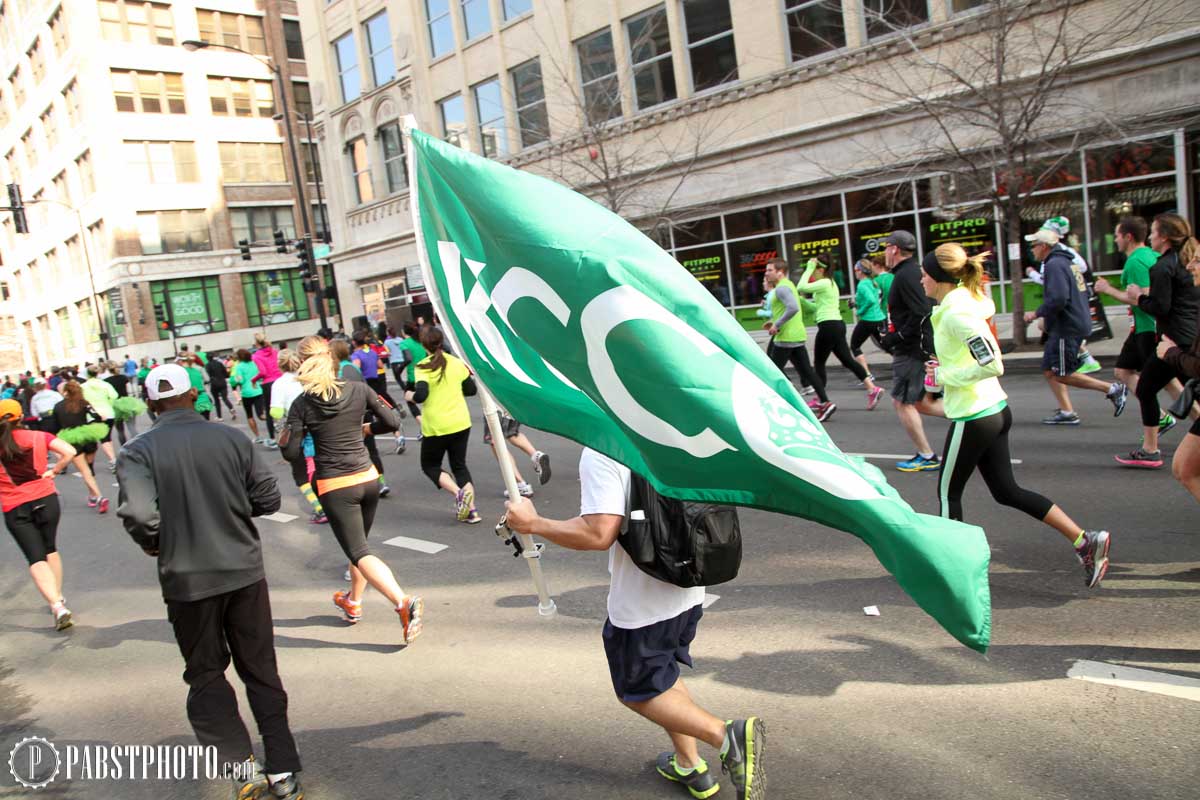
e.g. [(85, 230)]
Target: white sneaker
[(346, 577)]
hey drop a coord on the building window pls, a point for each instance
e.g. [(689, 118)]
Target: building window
[(302, 94), (239, 97), (162, 162), (3, 109), (711, 50), (148, 92), (441, 29), (320, 220), (312, 162), (515, 8), (194, 305), (14, 166), (62, 191), (454, 119), (259, 224), (58, 32), (959, 6), (29, 149), (274, 297), (650, 57), (477, 20), (360, 168), (814, 27), (392, 142), (489, 110), (66, 328), (99, 239), (49, 127), (347, 64), (173, 231), (888, 16), (252, 162), (37, 61), (71, 101), (293, 38), (533, 124), (18, 86), (87, 177), (598, 74), (145, 23), (379, 46), (233, 30)]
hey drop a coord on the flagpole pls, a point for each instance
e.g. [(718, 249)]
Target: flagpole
[(523, 543)]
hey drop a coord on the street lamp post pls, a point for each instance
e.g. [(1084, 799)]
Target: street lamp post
[(297, 179)]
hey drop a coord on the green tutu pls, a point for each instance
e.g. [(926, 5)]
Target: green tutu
[(83, 435), (126, 408)]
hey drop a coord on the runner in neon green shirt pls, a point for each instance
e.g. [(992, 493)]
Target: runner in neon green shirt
[(831, 330)]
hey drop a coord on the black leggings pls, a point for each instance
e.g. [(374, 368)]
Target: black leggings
[(799, 357), (983, 443), (831, 338), (35, 527), (351, 512), (864, 330), (254, 406), (220, 393), (1156, 374), (433, 448), (265, 408), (373, 452)]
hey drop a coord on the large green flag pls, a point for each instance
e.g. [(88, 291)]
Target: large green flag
[(581, 325)]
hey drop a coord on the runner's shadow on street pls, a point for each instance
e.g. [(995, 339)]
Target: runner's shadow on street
[(820, 673)]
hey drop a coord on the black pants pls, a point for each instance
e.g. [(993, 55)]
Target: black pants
[(983, 443), (799, 357), (1156, 374), (434, 448), (831, 338), (266, 408), (220, 394), (351, 513), (35, 527), (235, 624), (863, 330), (373, 452)]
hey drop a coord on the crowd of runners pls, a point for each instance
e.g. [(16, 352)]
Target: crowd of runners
[(325, 402)]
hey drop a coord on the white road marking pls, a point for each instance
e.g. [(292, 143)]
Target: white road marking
[(279, 516), (420, 545), (709, 599), (899, 456), (1143, 680)]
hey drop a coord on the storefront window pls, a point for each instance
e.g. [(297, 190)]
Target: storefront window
[(827, 244), (879, 200), (867, 238), (1041, 175), (748, 259), (751, 223), (194, 305), (972, 228), (1131, 160), (700, 231), (815, 211), (274, 297), (707, 265), (1110, 203)]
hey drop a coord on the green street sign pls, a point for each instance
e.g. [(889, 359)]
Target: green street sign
[(321, 250)]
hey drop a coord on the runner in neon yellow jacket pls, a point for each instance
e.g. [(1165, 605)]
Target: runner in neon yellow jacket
[(968, 366), (831, 330)]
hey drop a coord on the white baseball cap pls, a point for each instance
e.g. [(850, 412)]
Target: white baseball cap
[(174, 375), (1043, 236)]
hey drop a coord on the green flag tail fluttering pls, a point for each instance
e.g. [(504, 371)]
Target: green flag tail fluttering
[(581, 325)]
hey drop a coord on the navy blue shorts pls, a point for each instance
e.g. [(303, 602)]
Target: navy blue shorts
[(644, 662), (1061, 355)]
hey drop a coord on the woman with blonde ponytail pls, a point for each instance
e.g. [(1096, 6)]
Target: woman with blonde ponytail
[(967, 369), (331, 411)]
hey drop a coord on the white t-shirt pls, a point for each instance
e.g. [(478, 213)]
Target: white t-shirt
[(635, 599), (285, 390)]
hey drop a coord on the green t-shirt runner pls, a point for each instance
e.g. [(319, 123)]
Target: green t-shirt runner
[(866, 300), (884, 281), (416, 352), (1137, 270)]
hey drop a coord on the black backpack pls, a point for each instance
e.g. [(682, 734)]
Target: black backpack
[(685, 544)]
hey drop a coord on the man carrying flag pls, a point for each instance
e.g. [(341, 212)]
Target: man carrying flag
[(649, 629)]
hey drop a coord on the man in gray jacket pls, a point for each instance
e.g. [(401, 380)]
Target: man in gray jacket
[(210, 482)]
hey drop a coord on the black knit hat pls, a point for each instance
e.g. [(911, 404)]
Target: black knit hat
[(934, 269)]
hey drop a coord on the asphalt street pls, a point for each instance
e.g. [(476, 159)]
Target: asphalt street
[(495, 702)]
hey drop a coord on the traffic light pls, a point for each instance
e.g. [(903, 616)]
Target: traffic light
[(17, 206), (244, 246), (305, 264), (160, 317), (281, 244)]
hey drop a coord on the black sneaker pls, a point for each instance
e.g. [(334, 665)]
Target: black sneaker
[(287, 789), (541, 465), (699, 782), (743, 760)]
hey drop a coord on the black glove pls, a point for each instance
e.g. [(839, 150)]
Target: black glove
[(889, 341)]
